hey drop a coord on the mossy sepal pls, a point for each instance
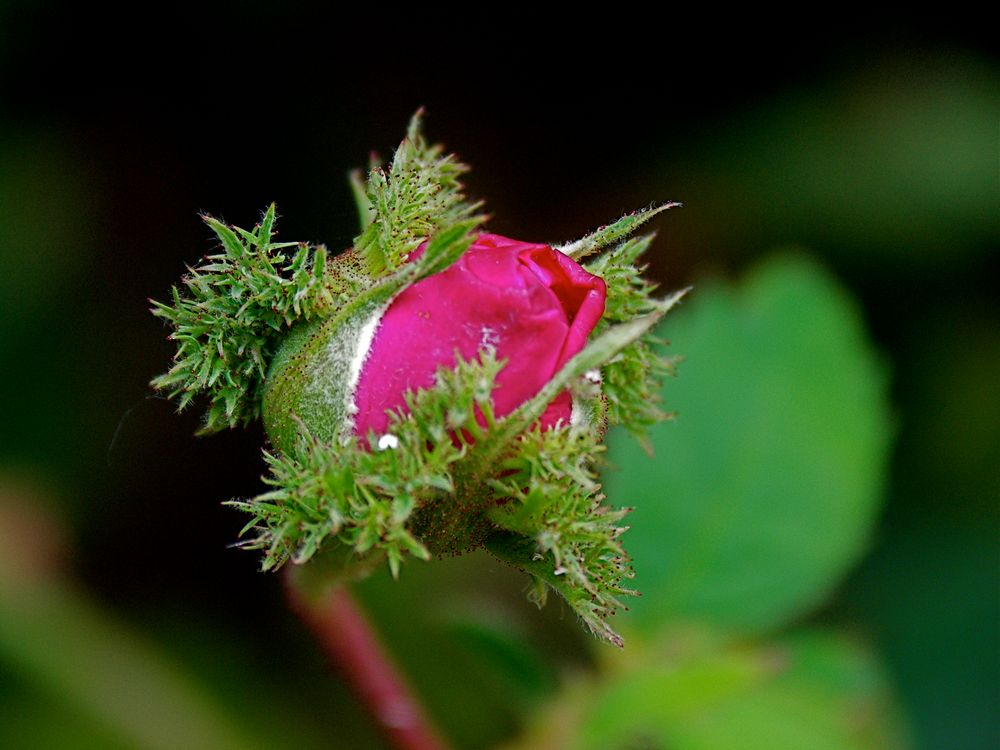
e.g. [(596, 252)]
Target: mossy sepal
[(232, 315)]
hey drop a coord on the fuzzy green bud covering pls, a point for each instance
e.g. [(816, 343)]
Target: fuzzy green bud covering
[(453, 438)]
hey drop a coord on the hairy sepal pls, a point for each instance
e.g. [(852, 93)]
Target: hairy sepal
[(230, 314)]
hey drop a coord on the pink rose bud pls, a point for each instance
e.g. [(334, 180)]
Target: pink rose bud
[(532, 304)]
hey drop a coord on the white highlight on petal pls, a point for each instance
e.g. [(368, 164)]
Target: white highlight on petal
[(488, 339), (388, 442)]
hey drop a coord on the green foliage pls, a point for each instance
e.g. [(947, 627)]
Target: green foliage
[(611, 233), (632, 381), (809, 690), (777, 457), (364, 492), (905, 197), (81, 657), (419, 195), (562, 532), (231, 314)]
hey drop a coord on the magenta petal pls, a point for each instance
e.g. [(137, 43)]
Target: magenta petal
[(581, 294), (533, 304)]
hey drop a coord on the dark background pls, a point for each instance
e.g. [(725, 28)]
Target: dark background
[(871, 141)]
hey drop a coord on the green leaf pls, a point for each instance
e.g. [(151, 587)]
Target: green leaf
[(764, 491), (812, 690), (94, 664)]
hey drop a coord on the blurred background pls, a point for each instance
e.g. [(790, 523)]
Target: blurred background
[(816, 538)]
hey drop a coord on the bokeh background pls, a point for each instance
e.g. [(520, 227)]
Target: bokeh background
[(816, 537)]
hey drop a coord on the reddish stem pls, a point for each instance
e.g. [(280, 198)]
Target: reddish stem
[(347, 638)]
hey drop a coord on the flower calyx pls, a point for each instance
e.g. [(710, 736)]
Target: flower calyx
[(435, 389)]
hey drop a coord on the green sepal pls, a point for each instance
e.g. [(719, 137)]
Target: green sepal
[(553, 498), (556, 525), (632, 381), (521, 553), (419, 195), (374, 497), (611, 233), (230, 314), (453, 476), (366, 214)]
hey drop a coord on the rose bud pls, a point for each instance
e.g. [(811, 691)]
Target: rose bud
[(533, 305), (530, 304), (434, 389)]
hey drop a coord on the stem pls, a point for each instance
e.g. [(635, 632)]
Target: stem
[(348, 640)]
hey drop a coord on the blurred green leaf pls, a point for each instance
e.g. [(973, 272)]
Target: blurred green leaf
[(31, 720), (516, 662), (478, 655), (61, 643), (764, 491), (814, 691), (929, 592), (889, 163), (84, 658), (44, 226)]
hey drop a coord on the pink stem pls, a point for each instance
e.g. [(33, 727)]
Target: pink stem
[(347, 638)]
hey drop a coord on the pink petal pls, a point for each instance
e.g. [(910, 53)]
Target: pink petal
[(533, 304)]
